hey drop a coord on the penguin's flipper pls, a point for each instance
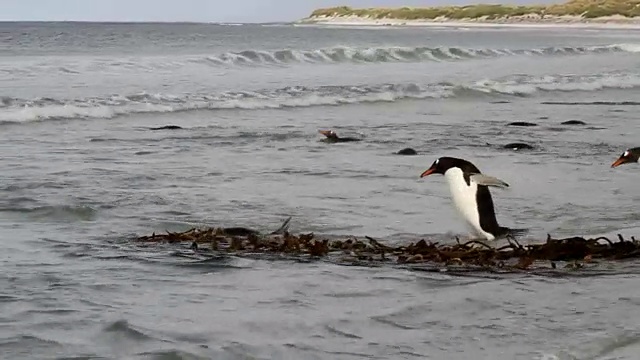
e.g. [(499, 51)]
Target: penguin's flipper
[(482, 179), (283, 228)]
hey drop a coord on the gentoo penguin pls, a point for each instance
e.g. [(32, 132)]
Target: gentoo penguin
[(332, 137), (521, 123), (470, 192), (518, 146), (407, 151), (573, 122), (166, 127), (629, 156)]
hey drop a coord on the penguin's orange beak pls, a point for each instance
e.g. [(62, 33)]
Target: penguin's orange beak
[(428, 172), (621, 160)]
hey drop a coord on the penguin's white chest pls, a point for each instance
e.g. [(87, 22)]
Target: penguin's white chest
[(465, 201)]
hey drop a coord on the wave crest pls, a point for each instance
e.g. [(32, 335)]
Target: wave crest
[(344, 54), (285, 57), (21, 110)]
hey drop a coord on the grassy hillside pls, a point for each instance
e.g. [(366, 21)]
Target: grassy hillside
[(584, 8)]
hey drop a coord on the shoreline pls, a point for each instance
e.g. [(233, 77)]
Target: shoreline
[(549, 22)]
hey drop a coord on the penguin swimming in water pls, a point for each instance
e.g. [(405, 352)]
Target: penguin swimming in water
[(167, 127), (332, 137), (518, 146), (629, 156), (407, 151), (470, 192)]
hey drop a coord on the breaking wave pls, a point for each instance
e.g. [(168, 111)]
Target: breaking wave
[(397, 54), (334, 55), (23, 110)]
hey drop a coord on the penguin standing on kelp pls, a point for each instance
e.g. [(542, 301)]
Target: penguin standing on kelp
[(469, 189)]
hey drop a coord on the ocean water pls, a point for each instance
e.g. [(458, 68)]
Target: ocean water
[(83, 174)]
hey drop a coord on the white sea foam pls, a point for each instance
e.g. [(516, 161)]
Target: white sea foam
[(24, 110), (284, 57)]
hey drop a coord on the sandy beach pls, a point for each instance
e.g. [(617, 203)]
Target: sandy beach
[(528, 21)]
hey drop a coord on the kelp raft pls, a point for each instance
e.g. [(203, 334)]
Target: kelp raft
[(567, 253)]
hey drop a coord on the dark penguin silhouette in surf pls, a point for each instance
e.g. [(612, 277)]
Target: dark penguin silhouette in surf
[(522, 123), (518, 146), (332, 137), (628, 156), (573, 122), (166, 127), (243, 231), (469, 190), (407, 151)]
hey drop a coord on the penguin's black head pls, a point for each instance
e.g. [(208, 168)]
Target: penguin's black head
[(629, 156), (329, 134), (441, 165)]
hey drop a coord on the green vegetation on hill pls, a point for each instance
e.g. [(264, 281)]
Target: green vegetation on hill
[(584, 8)]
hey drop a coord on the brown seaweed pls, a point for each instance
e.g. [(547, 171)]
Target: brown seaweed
[(576, 251)]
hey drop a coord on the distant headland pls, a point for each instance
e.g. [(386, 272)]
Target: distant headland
[(586, 13)]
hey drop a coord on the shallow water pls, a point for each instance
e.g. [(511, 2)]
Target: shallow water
[(83, 174)]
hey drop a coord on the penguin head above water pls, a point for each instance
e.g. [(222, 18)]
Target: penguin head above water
[(629, 156), (332, 137), (329, 134)]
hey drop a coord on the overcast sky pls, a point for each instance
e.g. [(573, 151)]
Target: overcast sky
[(191, 10)]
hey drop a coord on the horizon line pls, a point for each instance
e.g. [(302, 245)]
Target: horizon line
[(145, 22)]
